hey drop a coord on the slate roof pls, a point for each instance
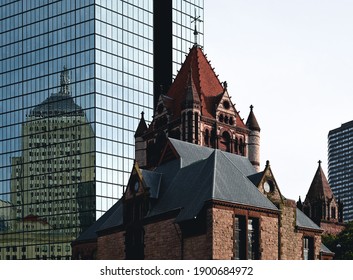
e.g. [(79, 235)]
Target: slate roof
[(251, 122), (199, 175), (304, 221), (152, 181), (325, 250), (115, 211), (205, 175), (319, 188)]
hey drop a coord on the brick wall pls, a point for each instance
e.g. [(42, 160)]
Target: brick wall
[(291, 242), (162, 240), (197, 248), (222, 234), (111, 246), (269, 238), (84, 251)]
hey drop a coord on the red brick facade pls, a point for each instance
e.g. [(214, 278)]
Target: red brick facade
[(164, 239), (111, 246)]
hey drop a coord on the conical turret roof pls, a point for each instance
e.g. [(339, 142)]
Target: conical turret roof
[(252, 123), (142, 127), (319, 188)]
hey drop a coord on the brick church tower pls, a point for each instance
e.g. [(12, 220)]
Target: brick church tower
[(198, 109)]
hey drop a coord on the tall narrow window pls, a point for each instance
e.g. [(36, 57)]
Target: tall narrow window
[(190, 126), (253, 238), (207, 136), (184, 126), (225, 142), (196, 128), (245, 238), (236, 239), (308, 248)]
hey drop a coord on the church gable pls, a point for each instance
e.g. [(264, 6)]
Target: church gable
[(225, 112), (135, 186), (266, 183)]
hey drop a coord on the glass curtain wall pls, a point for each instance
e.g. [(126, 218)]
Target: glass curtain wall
[(74, 77), (183, 26)]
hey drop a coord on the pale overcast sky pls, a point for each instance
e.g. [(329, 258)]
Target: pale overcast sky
[(293, 60)]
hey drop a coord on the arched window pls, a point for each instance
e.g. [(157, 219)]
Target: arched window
[(207, 137), (190, 126), (236, 145), (221, 118), (196, 128), (241, 146), (225, 142)]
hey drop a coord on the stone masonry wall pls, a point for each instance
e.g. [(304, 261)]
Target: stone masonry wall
[(222, 233), (269, 238), (111, 247), (291, 242), (197, 248), (162, 240)]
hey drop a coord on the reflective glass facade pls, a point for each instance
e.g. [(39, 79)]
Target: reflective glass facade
[(174, 38), (340, 166), (74, 77)]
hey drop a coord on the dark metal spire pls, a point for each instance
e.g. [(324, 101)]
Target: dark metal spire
[(196, 19)]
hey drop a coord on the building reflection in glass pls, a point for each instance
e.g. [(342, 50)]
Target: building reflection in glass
[(52, 190)]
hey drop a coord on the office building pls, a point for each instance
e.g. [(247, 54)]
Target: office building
[(74, 77), (340, 166)]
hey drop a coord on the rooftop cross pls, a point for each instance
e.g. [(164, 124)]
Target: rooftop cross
[(196, 19)]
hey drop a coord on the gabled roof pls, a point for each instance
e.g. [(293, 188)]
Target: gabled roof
[(205, 81), (218, 177), (196, 77), (319, 188), (152, 181), (114, 214)]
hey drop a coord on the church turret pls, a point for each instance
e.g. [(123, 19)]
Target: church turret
[(140, 143), (197, 108), (321, 205), (191, 112), (253, 140)]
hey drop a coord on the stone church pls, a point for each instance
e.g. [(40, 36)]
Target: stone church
[(197, 189)]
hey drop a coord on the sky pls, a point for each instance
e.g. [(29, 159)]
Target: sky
[(293, 61)]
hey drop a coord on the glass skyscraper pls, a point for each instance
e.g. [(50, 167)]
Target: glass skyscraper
[(74, 78), (340, 166)]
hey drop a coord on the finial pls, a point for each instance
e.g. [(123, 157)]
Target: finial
[(196, 19), (142, 114), (267, 163), (319, 162), (251, 107), (225, 84)]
